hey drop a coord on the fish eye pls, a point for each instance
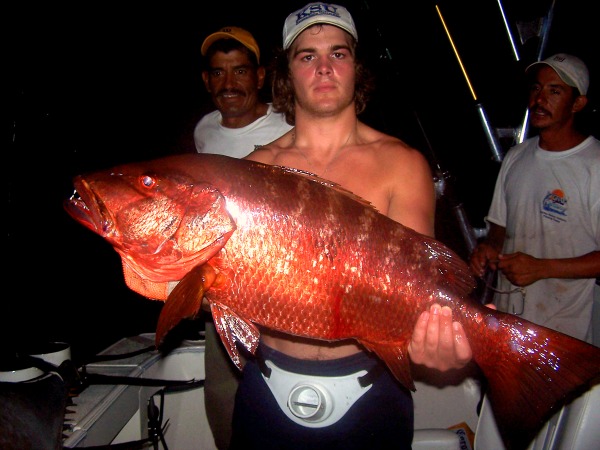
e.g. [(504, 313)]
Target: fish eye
[(147, 181)]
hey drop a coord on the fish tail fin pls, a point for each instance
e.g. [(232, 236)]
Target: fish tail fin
[(532, 374)]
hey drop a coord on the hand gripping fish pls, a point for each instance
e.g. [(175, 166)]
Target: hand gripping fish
[(280, 248)]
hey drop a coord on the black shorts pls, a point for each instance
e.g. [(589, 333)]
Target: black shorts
[(382, 418)]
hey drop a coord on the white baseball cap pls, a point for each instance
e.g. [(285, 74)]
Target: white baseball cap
[(570, 69), (313, 13)]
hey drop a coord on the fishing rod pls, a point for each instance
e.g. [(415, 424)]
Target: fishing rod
[(442, 178), (497, 152), (521, 132), (542, 33), (508, 32), (445, 189)]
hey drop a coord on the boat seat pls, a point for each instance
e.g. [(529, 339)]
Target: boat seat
[(573, 427), (445, 409), (435, 439), (576, 426)]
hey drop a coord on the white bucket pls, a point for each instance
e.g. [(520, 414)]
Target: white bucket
[(53, 352), (17, 370)]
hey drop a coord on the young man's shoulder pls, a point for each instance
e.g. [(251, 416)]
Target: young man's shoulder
[(398, 151), (268, 153), (383, 140)]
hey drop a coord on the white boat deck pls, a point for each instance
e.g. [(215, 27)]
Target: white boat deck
[(446, 418), (112, 414)]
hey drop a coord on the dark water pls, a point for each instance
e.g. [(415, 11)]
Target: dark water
[(87, 94)]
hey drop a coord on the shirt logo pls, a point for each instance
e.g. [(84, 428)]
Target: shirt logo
[(554, 206)]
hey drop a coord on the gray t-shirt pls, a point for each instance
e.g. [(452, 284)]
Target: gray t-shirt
[(212, 137), (549, 203)]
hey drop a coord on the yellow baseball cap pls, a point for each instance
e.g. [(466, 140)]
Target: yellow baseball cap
[(239, 34)]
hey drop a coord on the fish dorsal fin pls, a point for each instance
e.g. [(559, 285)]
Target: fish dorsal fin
[(317, 179)]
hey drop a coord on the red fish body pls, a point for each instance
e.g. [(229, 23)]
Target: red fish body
[(282, 249)]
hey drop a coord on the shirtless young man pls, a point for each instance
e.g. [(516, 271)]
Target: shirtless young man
[(318, 84)]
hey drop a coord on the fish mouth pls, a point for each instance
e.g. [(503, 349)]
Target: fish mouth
[(87, 209)]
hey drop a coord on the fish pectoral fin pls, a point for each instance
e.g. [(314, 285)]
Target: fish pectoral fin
[(185, 301), (232, 328), (395, 356)]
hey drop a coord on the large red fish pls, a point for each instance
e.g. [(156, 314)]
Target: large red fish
[(279, 248)]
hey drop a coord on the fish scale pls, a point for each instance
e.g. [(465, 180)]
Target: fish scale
[(278, 248)]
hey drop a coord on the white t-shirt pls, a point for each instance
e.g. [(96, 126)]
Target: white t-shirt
[(212, 137), (549, 203)]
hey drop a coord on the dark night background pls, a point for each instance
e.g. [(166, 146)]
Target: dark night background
[(100, 83)]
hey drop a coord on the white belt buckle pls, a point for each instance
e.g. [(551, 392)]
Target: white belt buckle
[(314, 401)]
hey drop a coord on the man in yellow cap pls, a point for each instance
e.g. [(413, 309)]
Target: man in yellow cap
[(234, 77), (241, 122)]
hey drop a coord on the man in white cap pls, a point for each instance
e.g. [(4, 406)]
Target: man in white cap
[(544, 220), (321, 87), (234, 77)]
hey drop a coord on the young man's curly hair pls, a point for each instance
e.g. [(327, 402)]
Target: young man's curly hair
[(283, 90)]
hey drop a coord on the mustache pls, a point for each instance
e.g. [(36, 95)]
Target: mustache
[(540, 109), (229, 92)]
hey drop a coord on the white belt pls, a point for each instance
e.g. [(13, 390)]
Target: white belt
[(314, 401)]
